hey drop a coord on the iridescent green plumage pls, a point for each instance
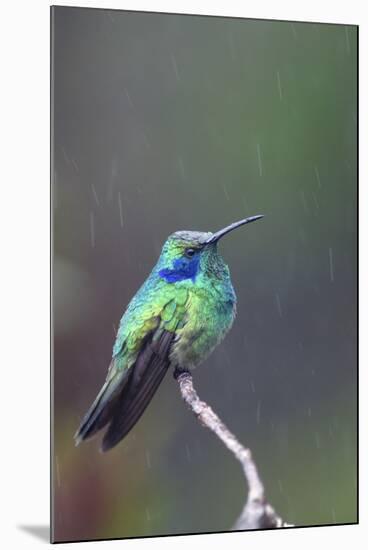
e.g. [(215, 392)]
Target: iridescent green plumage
[(179, 315)]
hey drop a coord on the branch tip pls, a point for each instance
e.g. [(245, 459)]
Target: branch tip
[(257, 512)]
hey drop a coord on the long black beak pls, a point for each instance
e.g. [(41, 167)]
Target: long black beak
[(216, 236)]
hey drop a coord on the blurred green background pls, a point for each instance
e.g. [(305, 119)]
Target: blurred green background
[(167, 122)]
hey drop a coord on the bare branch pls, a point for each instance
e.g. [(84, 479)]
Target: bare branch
[(257, 512)]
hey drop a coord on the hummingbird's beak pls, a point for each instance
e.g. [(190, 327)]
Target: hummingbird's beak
[(216, 236)]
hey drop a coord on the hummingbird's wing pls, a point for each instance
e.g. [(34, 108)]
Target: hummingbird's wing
[(103, 407), (140, 361), (146, 375)]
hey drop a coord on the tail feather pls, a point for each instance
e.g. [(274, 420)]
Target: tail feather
[(133, 403), (126, 393), (102, 409)]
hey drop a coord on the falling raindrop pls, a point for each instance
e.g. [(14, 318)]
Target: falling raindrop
[(259, 159), (67, 159), (317, 175), (113, 174), (226, 192), (315, 200), (129, 98), (173, 60), (148, 460), (279, 85), (148, 515), (278, 303), (95, 195), (75, 165), (120, 209)]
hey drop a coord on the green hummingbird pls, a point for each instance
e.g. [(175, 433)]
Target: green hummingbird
[(179, 315)]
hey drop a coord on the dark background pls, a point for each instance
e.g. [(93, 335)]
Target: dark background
[(167, 122)]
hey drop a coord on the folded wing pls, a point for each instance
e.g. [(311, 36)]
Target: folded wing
[(148, 371), (126, 394)]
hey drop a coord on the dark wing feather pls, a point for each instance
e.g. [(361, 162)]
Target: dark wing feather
[(145, 376), (104, 406)]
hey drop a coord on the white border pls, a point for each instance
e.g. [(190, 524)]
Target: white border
[(24, 219)]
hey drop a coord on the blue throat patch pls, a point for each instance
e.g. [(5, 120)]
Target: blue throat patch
[(183, 268)]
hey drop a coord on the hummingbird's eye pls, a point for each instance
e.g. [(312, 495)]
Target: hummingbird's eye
[(189, 252)]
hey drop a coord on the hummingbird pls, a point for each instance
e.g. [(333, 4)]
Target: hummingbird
[(176, 319)]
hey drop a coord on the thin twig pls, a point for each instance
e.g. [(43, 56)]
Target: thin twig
[(257, 512)]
